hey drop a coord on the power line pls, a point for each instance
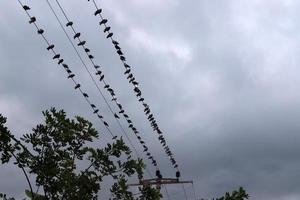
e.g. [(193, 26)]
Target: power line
[(106, 85), (132, 80)]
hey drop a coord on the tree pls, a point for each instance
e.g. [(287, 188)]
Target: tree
[(60, 153)]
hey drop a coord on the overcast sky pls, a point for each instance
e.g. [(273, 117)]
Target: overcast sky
[(221, 76)]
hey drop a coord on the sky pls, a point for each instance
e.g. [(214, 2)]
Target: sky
[(221, 77)]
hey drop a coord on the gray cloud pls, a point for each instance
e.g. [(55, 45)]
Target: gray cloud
[(220, 76)]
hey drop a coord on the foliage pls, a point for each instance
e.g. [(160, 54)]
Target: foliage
[(235, 195), (60, 154)]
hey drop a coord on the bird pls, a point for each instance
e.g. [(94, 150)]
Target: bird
[(177, 174), (91, 56), (69, 23), (87, 50), (101, 78), (129, 76), (106, 29), (115, 137), (81, 43), (148, 154), (32, 20), (119, 105), (68, 71), (71, 75), (127, 71), (60, 61), (114, 98), (122, 58), (65, 66), (98, 72), (100, 116), (115, 42), (126, 116), (136, 89), (150, 116), (77, 35), (135, 83), (96, 66), (117, 47), (141, 99), (56, 56), (120, 52), (40, 31), (77, 86), (51, 46), (105, 123), (109, 35), (103, 21), (130, 126), (116, 116), (121, 111), (93, 106), (96, 111), (129, 121), (26, 7), (97, 12), (85, 95), (131, 80), (126, 65), (106, 86)]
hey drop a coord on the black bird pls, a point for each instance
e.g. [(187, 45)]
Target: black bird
[(77, 86), (130, 126), (136, 89), (177, 174), (116, 116), (91, 56), (135, 83), (68, 71), (126, 66), (81, 43), (106, 86), (71, 75), (148, 154), (131, 80), (60, 61), (120, 52), (106, 29), (105, 123), (97, 12), (126, 116), (127, 71), (114, 99), (32, 20), (40, 31), (115, 137), (117, 47), (100, 116), (139, 94), (98, 72), (121, 111), (115, 42), (129, 121), (51, 46), (150, 116), (109, 35), (175, 166), (96, 111), (26, 7), (139, 137), (104, 21), (129, 76), (97, 66), (142, 142), (120, 106), (56, 56), (87, 50), (65, 66), (85, 95), (77, 35), (101, 78), (122, 58), (93, 106), (141, 99), (69, 23)]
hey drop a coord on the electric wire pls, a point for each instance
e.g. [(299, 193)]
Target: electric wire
[(136, 89), (184, 191), (66, 68), (90, 57)]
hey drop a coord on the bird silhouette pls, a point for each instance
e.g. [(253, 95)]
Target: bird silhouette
[(129, 76), (98, 72), (106, 86), (26, 7), (116, 116), (106, 29), (126, 116), (130, 126), (104, 21), (51, 46), (135, 83), (115, 137), (117, 47), (105, 123), (65, 66), (77, 86), (141, 99), (91, 57), (122, 58), (87, 50), (71, 75), (126, 66), (40, 31), (85, 95), (121, 111), (60, 61), (129, 121), (69, 23), (127, 71), (93, 106), (81, 43), (101, 78), (68, 71), (97, 12), (100, 116), (56, 56), (119, 52), (77, 35), (109, 35), (32, 20), (115, 42), (96, 66), (119, 105), (96, 111)]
